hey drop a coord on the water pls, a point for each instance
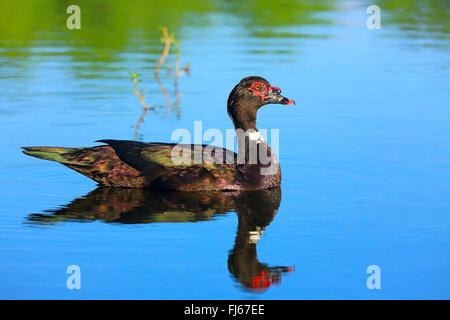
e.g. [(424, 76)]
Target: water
[(364, 154)]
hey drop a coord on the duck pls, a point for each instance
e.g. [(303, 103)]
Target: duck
[(172, 166)]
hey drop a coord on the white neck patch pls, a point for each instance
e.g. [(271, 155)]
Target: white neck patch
[(256, 137)]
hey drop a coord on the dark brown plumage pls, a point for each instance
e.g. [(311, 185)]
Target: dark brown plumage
[(123, 163)]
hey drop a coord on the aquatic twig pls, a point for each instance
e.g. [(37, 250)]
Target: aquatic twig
[(168, 40), (178, 73), (141, 119), (175, 84), (137, 92), (164, 92), (141, 99)]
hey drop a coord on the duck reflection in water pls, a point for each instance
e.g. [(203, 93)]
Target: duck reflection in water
[(255, 211)]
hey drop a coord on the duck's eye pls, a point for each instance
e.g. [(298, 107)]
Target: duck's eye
[(257, 87)]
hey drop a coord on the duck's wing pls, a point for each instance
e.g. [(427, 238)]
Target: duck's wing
[(179, 166)]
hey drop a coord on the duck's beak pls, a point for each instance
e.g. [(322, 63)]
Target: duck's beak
[(275, 97)]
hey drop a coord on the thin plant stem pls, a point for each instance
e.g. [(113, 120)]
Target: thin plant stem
[(137, 92), (141, 119), (144, 104), (167, 41)]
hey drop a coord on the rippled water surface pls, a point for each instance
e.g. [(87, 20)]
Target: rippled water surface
[(364, 153)]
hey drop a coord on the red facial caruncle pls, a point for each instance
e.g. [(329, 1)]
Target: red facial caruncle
[(269, 94), (260, 89)]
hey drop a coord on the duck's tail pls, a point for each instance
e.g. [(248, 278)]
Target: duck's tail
[(99, 163), (53, 154)]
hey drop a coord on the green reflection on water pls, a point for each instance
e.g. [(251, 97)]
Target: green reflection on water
[(110, 25), (432, 16)]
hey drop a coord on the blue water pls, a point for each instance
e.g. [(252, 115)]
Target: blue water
[(364, 154)]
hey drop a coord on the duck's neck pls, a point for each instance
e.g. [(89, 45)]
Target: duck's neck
[(244, 119), (252, 147), (245, 132)]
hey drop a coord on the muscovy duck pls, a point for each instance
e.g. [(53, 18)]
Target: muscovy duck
[(124, 163)]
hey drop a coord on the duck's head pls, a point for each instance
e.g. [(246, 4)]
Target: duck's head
[(250, 94)]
